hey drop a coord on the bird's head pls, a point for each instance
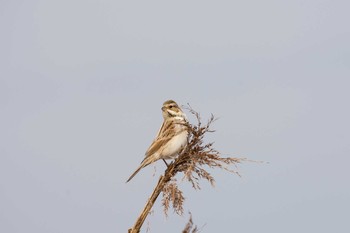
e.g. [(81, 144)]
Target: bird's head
[(171, 109)]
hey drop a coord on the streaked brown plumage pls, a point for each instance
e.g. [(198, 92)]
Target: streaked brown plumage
[(171, 137)]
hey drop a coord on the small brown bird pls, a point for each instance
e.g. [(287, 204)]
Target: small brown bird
[(171, 137)]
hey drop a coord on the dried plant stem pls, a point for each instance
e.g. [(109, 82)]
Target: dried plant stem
[(163, 180)]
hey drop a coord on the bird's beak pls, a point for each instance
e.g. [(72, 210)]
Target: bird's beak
[(163, 108)]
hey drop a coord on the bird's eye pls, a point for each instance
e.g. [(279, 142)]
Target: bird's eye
[(170, 106)]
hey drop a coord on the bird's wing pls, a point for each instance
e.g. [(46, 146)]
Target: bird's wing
[(158, 142), (165, 134)]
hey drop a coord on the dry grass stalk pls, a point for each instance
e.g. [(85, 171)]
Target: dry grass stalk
[(172, 194), (190, 162), (189, 226)]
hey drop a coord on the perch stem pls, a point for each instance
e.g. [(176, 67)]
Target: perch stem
[(158, 189)]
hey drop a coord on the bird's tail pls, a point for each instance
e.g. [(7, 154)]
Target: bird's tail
[(144, 163), (134, 174)]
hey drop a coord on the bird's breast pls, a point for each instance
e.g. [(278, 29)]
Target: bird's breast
[(173, 147)]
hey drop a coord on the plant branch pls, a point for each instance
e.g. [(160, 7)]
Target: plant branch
[(163, 180)]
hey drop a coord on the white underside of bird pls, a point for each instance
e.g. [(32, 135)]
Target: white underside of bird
[(173, 147)]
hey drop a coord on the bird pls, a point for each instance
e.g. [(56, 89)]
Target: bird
[(171, 137)]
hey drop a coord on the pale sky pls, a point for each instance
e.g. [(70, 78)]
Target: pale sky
[(82, 84)]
